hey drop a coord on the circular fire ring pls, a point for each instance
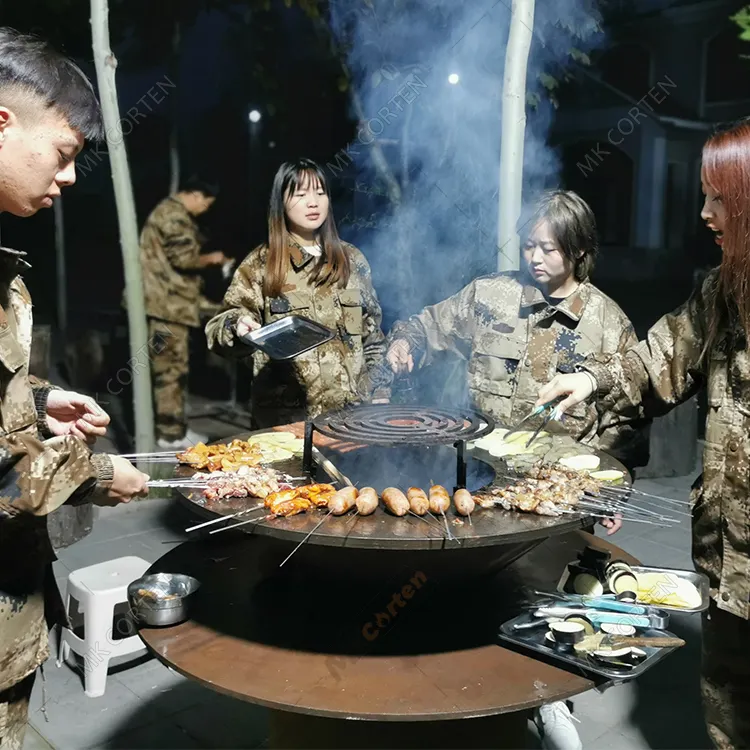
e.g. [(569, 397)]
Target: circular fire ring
[(391, 424)]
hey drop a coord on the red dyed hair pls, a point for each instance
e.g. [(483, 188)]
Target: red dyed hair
[(726, 165)]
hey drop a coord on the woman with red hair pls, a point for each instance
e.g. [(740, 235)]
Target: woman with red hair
[(704, 344)]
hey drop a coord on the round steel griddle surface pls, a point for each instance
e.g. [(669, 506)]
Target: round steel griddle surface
[(389, 424), (381, 530)]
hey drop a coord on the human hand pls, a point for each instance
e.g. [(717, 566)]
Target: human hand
[(216, 258), (246, 324), (576, 387), (613, 525), (127, 483), (70, 413), (399, 356)]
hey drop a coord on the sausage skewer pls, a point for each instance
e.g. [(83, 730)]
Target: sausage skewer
[(367, 501), (440, 501), (464, 503), (343, 501), (396, 501), (418, 500)]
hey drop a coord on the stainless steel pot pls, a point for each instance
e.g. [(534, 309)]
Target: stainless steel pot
[(162, 599)]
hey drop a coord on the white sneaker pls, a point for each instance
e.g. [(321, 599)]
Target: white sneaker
[(556, 727)]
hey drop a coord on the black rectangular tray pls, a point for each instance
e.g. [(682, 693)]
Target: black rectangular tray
[(534, 640), (289, 337)]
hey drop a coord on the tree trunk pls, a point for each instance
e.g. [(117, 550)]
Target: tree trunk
[(62, 299), (378, 157), (106, 63), (174, 133), (513, 132)]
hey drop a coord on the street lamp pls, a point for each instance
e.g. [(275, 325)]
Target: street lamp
[(253, 116)]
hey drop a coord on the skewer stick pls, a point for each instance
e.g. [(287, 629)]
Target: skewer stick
[(223, 518), (431, 525), (621, 507), (243, 523), (440, 526), (602, 515), (451, 536), (172, 454), (307, 536)]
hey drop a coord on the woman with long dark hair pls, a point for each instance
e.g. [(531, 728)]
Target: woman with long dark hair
[(704, 344), (304, 268)]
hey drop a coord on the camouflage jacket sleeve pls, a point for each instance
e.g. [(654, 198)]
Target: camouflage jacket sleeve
[(181, 243), (41, 388), (663, 370), (244, 297), (624, 431), (446, 326), (376, 378), (37, 477)]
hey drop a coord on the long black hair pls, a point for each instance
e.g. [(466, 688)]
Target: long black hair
[(333, 266)]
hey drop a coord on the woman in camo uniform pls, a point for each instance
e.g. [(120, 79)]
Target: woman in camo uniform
[(704, 344), (305, 269)]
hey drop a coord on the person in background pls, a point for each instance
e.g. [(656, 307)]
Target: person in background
[(305, 269), (172, 263), (47, 109), (518, 330), (704, 344)]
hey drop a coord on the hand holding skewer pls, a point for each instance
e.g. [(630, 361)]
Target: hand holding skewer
[(127, 482)]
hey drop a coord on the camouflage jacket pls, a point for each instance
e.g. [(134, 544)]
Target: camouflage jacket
[(515, 342), (668, 368), (346, 370), (170, 262), (35, 478)]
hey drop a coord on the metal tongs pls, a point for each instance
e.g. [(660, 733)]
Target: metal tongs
[(553, 413)]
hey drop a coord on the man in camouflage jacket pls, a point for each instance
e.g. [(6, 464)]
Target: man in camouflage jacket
[(515, 341), (172, 262), (349, 369), (43, 460)]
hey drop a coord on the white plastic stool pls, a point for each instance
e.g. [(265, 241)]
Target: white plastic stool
[(98, 589)]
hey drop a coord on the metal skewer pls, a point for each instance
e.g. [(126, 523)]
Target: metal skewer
[(223, 518), (307, 536), (243, 523), (429, 523), (602, 515)]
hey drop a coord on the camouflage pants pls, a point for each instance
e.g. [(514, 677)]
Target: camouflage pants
[(725, 682), (168, 344), (14, 713)]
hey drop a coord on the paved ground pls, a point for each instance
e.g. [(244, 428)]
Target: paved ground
[(147, 706)]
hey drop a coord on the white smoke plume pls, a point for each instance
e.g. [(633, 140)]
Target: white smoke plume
[(427, 82)]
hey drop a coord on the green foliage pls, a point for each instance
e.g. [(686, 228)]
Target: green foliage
[(742, 19)]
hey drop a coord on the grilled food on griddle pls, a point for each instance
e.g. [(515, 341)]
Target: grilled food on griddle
[(300, 499)]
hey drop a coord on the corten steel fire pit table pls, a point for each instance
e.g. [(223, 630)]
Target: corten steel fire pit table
[(377, 619), (411, 661), (492, 540)]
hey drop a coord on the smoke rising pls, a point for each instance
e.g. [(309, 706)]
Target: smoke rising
[(427, 84)]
